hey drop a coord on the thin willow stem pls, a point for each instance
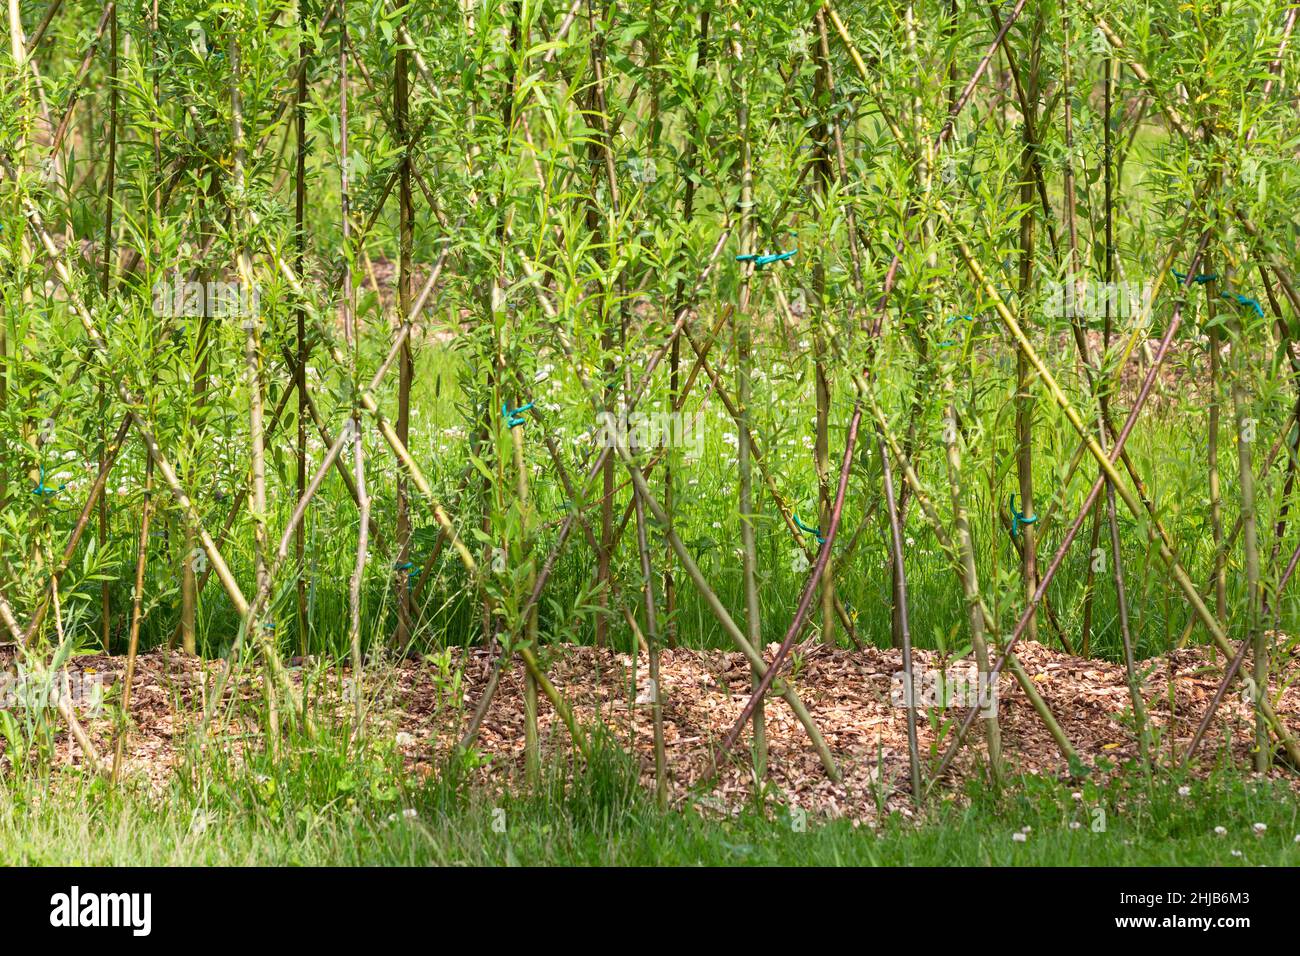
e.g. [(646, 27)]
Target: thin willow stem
[(133, 645)]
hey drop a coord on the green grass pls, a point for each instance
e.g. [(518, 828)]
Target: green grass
[(328, 806)]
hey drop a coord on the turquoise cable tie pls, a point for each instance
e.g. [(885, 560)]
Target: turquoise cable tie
[(948, 343), (1204, 277), (812, 531), (767, 258), (1200, 278), (1018, 518), (43, 489), (513, 416), (1246, 300)]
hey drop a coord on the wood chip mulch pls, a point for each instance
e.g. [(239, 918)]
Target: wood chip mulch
[(848, 693)]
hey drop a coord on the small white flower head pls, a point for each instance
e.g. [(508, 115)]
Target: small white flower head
[(1260, 827), (1220, 831), (403, 739), (1184, 791), (1020, 837), (1236, 853), (1077, 795), (1075, 824), (717, 525)]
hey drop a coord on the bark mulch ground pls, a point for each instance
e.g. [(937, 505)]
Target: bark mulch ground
[(852, 695)]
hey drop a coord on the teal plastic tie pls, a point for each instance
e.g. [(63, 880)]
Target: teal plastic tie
[(815, 532), (1019, 518), (1245, 300), (949, 343), (1200, 278), (766, 259), (1203, 277), (42, 489), (514, 417)]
